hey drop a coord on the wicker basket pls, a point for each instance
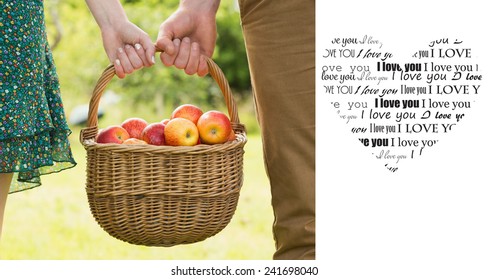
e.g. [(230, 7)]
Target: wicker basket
[(161, 195)]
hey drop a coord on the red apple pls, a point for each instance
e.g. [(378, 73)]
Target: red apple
[(187, 111), (214, 127), (134, 127), (232, 136), (181, 132), (112, 134), (134, 141), (153, 134), (165, 121)]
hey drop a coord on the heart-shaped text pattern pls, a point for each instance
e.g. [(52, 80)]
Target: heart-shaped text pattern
[(398, 106)]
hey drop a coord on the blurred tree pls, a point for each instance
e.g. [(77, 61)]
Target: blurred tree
[(54, 23), (230, 51)]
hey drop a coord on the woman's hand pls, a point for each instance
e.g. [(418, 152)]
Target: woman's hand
[(127, 46)]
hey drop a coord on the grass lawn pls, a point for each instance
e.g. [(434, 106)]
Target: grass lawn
[(53, 222)]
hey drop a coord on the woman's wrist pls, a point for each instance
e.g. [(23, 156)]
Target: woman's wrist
[(107, 13)]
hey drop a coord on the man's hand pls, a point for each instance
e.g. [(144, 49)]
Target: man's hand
[(189, 35)]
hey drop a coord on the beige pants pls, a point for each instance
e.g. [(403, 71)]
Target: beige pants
[(280, 42)]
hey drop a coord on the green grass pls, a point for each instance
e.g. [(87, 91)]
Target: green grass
[(53, 222)]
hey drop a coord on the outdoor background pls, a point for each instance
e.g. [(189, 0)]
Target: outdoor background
[(54, 220)]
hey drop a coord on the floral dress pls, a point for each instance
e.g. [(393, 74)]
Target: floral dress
[(33, 128)]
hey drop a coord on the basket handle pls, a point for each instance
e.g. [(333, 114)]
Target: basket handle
[(214, 71)]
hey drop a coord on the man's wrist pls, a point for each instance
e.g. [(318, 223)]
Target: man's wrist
[(202, 6)]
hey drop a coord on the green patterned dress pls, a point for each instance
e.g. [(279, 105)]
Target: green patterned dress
[(33, 129)]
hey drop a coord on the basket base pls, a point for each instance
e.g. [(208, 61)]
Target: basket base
[(162, 221)]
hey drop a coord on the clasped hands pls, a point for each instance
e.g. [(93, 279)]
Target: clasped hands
[(184, 40)]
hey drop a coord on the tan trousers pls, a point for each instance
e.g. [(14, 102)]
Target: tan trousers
[(280, 42)]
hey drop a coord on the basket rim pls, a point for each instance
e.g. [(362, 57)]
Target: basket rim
[(239, 142)]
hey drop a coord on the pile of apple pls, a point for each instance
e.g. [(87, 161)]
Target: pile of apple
[(188, 126)]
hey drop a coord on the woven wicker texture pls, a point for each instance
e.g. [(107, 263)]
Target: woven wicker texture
[(162, 195)]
